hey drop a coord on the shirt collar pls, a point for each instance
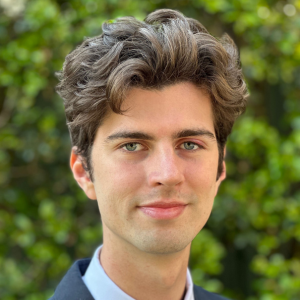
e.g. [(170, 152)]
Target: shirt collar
[(102, 287)]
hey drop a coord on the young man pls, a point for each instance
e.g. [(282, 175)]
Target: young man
[(149, 107)]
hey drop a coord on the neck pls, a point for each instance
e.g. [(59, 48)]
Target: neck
[(145, 275)]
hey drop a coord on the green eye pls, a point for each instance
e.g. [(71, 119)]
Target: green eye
[(189, 146), (131, 146)]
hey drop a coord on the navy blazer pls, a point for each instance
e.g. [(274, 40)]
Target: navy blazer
[(72, 286)]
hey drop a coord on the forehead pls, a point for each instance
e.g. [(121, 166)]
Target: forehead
[(173, 108)]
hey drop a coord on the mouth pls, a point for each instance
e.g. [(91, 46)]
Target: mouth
[(163, 210)]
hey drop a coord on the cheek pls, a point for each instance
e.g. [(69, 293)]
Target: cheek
[(202, 175), (116, 180), (202, 183)]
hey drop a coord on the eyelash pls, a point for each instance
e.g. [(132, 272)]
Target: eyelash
[(198, 145)]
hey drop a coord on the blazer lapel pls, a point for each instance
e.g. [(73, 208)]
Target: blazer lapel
[(72, 285), (201, 294)]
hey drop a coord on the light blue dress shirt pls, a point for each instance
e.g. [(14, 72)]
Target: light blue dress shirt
[(102, 287)]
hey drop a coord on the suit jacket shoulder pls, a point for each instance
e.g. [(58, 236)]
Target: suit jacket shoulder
[(202, 294), (73, 287)]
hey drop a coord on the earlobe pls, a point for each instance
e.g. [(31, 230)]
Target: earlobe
[(221, 177), (81, 175), (223, 174)]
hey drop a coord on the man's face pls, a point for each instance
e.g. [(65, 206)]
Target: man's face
[(155, 169)]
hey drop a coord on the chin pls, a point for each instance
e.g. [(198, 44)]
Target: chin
[(168, 243)]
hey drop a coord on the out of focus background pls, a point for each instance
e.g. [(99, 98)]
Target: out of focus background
[(249, 249)]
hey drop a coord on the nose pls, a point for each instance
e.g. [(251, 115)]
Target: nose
[(165, 168)]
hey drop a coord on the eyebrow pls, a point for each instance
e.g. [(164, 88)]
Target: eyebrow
[(129, 135), (194, 132), (138, 135)]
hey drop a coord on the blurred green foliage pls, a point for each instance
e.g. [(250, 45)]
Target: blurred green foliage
[(250, 248)]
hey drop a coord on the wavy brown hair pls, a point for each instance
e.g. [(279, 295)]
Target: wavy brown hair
[(165, 49)]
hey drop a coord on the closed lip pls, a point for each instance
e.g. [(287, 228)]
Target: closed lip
[(164, 204)]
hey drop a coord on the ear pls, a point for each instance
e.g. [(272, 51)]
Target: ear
[(81, 175), (222, 175)]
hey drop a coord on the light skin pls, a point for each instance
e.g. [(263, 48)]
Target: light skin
[(162, 151)]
